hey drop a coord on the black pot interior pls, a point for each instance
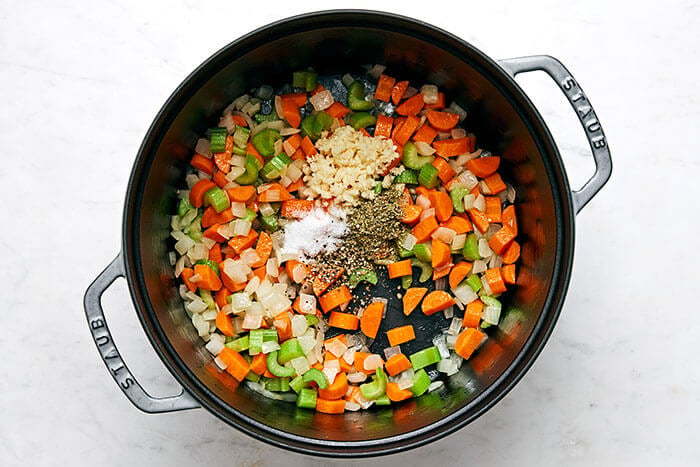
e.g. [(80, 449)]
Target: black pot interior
[(504, 123)]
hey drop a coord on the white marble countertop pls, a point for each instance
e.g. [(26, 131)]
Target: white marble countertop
[(618, 381)]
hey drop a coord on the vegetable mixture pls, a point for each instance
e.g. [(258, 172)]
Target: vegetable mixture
[(302, 196)]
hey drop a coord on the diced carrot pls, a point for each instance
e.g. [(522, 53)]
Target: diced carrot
[(445, 172), (241, 242), (403, 134), (294, 141), (495, 183), (337, 110), (399, 269), (211, 217), (440, 104), (331, 407), (479, 220), (222, 161), (274, 194), (228, 282), (495, 280), (508, 272), (215, 253), (186, 274), (459, 224), (442, 204), (400, 335), (283, 324), (364, 132), (260, 273), (202, 163), (319, 88), (320, 284), (296, 208), (412, 298), (213, 233), (343, 321), (425, 133), (482, 167), (197, 191), (396, 394), (411, 106), (371, 319), (398, 91), (208, 280), (259, 364), (411, 213), (424, 228), (292, 264), (238, 120), (294, 186), (512, 253), (221, 297), (396, 364), (383, 126), (297, 98), (451, 147), (501, 239), (442, 271), (241, 194), (458, 273), (442, 121), (435, 301), (290, 112), (493, 209), (263, 248), (337, 389), (336, 297), (236, 365), (220, 179), (472, 314), (385, 85), (308, 146), (468, 341), (441, 253), (508, 218)]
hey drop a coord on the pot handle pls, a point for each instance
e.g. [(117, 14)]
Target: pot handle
[(584, 111), (110, 355)]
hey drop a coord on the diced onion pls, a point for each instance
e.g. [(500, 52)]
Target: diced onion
[(423, 201), (352, 406), (408, 242), (469, 179), (439, 342), (469, 201), (250, 257), (376, 71), (266, 209), (464, 293), (179, 266), (349, 356), (270, 346), (203, 147), (307, 303), (458, 110), (293, 173), (479, 266), (278, 106), (430, 93), (485, 286), (424, 149), (405, 379), (480, 203), (372, 362), (299, 325), (183, 245), (485, 250), (427, 213), (209, 314), (196, 306), (236, 270), (322, 100), (444, 234), (356, 377), (484, 188), (220, 363), (240, 301), (300, 365), (336, 347), (458, 241), (441, 284), (410, 92), (238, 209), (455, 326), (252, 319), (240, 227), (435, 385), (347, 79), (391, 351), (330, 373), (457, 133), (299, 273), (238, 161), (289, 131)]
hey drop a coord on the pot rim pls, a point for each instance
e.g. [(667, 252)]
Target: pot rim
[(490, 395)]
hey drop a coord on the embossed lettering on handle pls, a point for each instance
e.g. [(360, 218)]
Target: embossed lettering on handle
[(584, 111), (110, 355)]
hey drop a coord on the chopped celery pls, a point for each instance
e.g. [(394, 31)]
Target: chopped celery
[(377, 188), (406, 282), (260, 118), (474, 282), (274, 366), (207, 298), (264, 141), (217, 140), (249, 215), (269, 223), (297, 383), (383, 400), (425, 357), (426, 270), (422, 252), (274, 167), (362, 120), (289, 350), (299, 79), (251, 171), (252, 376), (457, 196), (471, 248), (311, 319), (217, 198), (356, 97), (428, 176), (183, 207), (317, 376), (270, 335), (376, 388), (240, 344), (307, 398), (239, 151), (404, 253), (240, 136), (412, 160), (408, 176), (255, 341), (311, 81), (313, 125), (421, 382), (362, 275)]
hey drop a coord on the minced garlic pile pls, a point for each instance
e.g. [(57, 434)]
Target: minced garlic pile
[(346, 166)]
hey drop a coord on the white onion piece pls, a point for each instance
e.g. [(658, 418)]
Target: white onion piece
[(441, 284), (336, 347), (458, 241), (196, 306), (410, 92), (352, 406), (300, 365), (240, 301), (424, 149), (347, 79), (439, 342), (179, 266), (307, 303), (201, 325), (480, 203), (250, 256), (226, 121), (220, 363), (458, 110), (408, 242), (430, 93), (455, 326), (435, 385), (271, 267), (330, 373), (485, 250), (238, 209), (252, 285), (238, 161), (236, 270), (423, 201), (510, 193), (451, 340), (252, 318), (405, 379), (427, 213), (183, 245), (391, 351), (266, 209), (376, 71), (293, 172), (322, 100), (457, 133), (479, 266), (484, 188), (469, 179), (356, 377), (299, 273), (278, 106), (209, 314), (215, 344), (203, 147), (289, 131), (464, 293), (469, 201), (349, 356), (372, 362), (486, 288), (234, 173), (270, 346), (299, 325), (240, 227), (208, 243), (444, 234)]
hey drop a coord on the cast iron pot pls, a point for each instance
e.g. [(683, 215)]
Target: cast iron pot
[(504, 120)]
